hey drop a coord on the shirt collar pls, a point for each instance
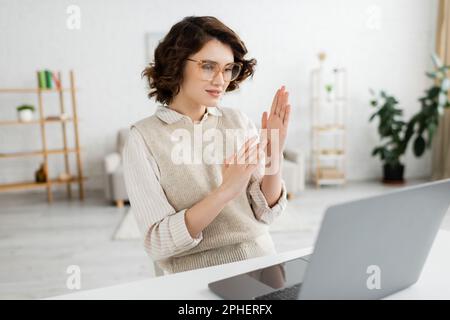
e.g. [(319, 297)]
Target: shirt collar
[(171, 116)]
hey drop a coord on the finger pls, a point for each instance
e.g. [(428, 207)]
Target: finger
[(260, 152), (251, 168), (274, 102), (287, 115), (283, 112), (284, 103), (229, 160), (264, 120), (252, 155), (247, 143), (264, 142), (286, 99), (245, 147), (280, 101), (252, 159), (263, 137), (244, 159)]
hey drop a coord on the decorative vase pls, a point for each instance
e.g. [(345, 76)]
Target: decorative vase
[(393, 173), (26, 115), (41, 174)]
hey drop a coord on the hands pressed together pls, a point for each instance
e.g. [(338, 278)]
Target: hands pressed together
[(238, 168)]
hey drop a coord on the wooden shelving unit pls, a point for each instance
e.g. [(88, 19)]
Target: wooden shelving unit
[(45, 152), (328, 109), (16, 122)]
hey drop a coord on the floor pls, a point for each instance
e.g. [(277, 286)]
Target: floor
[(38, 242)]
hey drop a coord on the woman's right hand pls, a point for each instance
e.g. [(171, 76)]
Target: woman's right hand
[(238, 168), (236, 173)]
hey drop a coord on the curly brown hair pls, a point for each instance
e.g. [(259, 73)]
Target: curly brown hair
[(185, 38)]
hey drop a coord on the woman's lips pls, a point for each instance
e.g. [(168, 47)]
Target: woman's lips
[(214, 93)]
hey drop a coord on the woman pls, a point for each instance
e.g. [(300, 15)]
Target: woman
[(195, 215)]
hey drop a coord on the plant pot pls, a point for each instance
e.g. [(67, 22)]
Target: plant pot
[(393, 173), (26, 115)]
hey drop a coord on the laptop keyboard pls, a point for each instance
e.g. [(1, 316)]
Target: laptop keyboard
[(307, 258), (288, 293)]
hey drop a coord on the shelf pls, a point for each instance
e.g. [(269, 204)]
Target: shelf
[(331, 127), (328, 118), (35, 185), (36, 153), (330, 181), (330, 176), (42, 119), (17, 122), (325, 158), (329, 101), (330, 152), (32, 90), (330, 173)]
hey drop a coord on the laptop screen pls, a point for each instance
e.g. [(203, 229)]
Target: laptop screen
[(262, 281), (280, 275)]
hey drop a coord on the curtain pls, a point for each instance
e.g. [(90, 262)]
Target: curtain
[(441, 141)]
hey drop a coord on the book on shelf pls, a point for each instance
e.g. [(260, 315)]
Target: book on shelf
[(48, 79), (62, 116), (56, 80), (42, 81)]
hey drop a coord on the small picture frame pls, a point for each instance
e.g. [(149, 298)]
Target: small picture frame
[(152, 40)]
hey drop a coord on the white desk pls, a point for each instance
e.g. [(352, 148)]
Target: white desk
[(434, 282)]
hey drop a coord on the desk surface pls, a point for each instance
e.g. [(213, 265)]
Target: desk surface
[(434, 282)]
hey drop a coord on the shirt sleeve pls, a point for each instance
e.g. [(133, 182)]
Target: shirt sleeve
[(164, 230), (256, 197)]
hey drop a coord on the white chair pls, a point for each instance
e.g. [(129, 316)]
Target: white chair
[(293, 172), (114, 180)]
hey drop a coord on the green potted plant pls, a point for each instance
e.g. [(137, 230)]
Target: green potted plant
[(390, 129), (25, 112), (329, 89), (396, 134), (424, 123)]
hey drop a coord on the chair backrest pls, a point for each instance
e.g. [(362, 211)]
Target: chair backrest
[(122, 137)]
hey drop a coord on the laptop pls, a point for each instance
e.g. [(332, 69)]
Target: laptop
[(365, 249)]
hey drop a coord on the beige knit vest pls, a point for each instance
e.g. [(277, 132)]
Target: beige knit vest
[(234, 234)]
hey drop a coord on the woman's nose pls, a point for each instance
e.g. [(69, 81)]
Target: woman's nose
[(218, 79)]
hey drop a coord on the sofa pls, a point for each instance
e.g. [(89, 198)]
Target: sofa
[(114, 181)]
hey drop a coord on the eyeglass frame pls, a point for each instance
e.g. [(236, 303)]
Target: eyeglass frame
[(200, 62)]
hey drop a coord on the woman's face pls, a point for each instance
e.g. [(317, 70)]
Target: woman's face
[(196, 87)]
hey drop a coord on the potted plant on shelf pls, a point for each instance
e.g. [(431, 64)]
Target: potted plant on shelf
[(25, 112), (390, 129), (396, 133), (329, 89), (41, 174)]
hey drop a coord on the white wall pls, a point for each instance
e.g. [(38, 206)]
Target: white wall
[(108, 55)]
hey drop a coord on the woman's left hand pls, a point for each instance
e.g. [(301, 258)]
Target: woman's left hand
[(277, 119)]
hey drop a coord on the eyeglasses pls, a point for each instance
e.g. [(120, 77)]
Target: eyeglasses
[(210, 69)]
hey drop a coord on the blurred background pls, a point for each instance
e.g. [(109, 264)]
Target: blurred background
[(70, 86)]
